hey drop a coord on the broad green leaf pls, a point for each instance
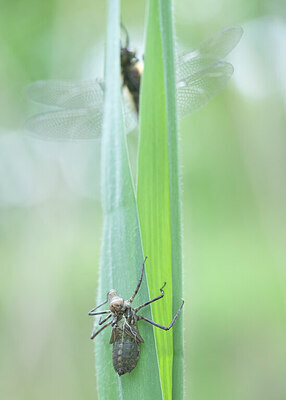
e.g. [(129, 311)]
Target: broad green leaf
[(122, 255), (158, 192)]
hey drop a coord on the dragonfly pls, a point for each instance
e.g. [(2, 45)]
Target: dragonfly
[(125, 336), (77, 112)]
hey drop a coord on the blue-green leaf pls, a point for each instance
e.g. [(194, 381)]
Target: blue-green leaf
[(122, 254)]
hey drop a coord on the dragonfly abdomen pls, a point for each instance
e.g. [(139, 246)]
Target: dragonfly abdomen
[(125, 353)]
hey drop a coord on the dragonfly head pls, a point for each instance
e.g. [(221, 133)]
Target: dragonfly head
[(116, 303), (128, 58)]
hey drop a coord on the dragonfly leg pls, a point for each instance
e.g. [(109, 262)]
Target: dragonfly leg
[(139, 283), (104, 320), (99, 330), (95, 308), (166, 328), (98, 312), (151, 301)]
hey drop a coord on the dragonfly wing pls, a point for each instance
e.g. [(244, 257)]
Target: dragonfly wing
[(209, 52), (196, 90), (67, 124), (67, 94), (82, 104), (130, 115)]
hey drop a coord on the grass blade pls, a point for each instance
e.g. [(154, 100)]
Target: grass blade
[(174, 186), (122, 254), (158, 191)]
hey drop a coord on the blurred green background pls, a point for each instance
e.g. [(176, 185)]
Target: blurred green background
[(233, 157)]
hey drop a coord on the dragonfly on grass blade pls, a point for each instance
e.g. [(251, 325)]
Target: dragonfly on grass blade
[(125, 336), (78, 112)]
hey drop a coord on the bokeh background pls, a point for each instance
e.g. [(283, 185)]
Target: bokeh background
[(233, 157)]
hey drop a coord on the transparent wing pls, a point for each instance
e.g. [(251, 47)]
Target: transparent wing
[(200, 76), (196, 90), (67, 94), (130, 115), (66, 124), (74, 124), (209, 52)]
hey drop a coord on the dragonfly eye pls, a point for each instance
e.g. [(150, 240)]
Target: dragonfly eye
[(117, 305), (128, 57)]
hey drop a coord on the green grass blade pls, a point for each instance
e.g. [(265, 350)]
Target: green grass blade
[(175, 214), (158, 192), (122, 254)]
